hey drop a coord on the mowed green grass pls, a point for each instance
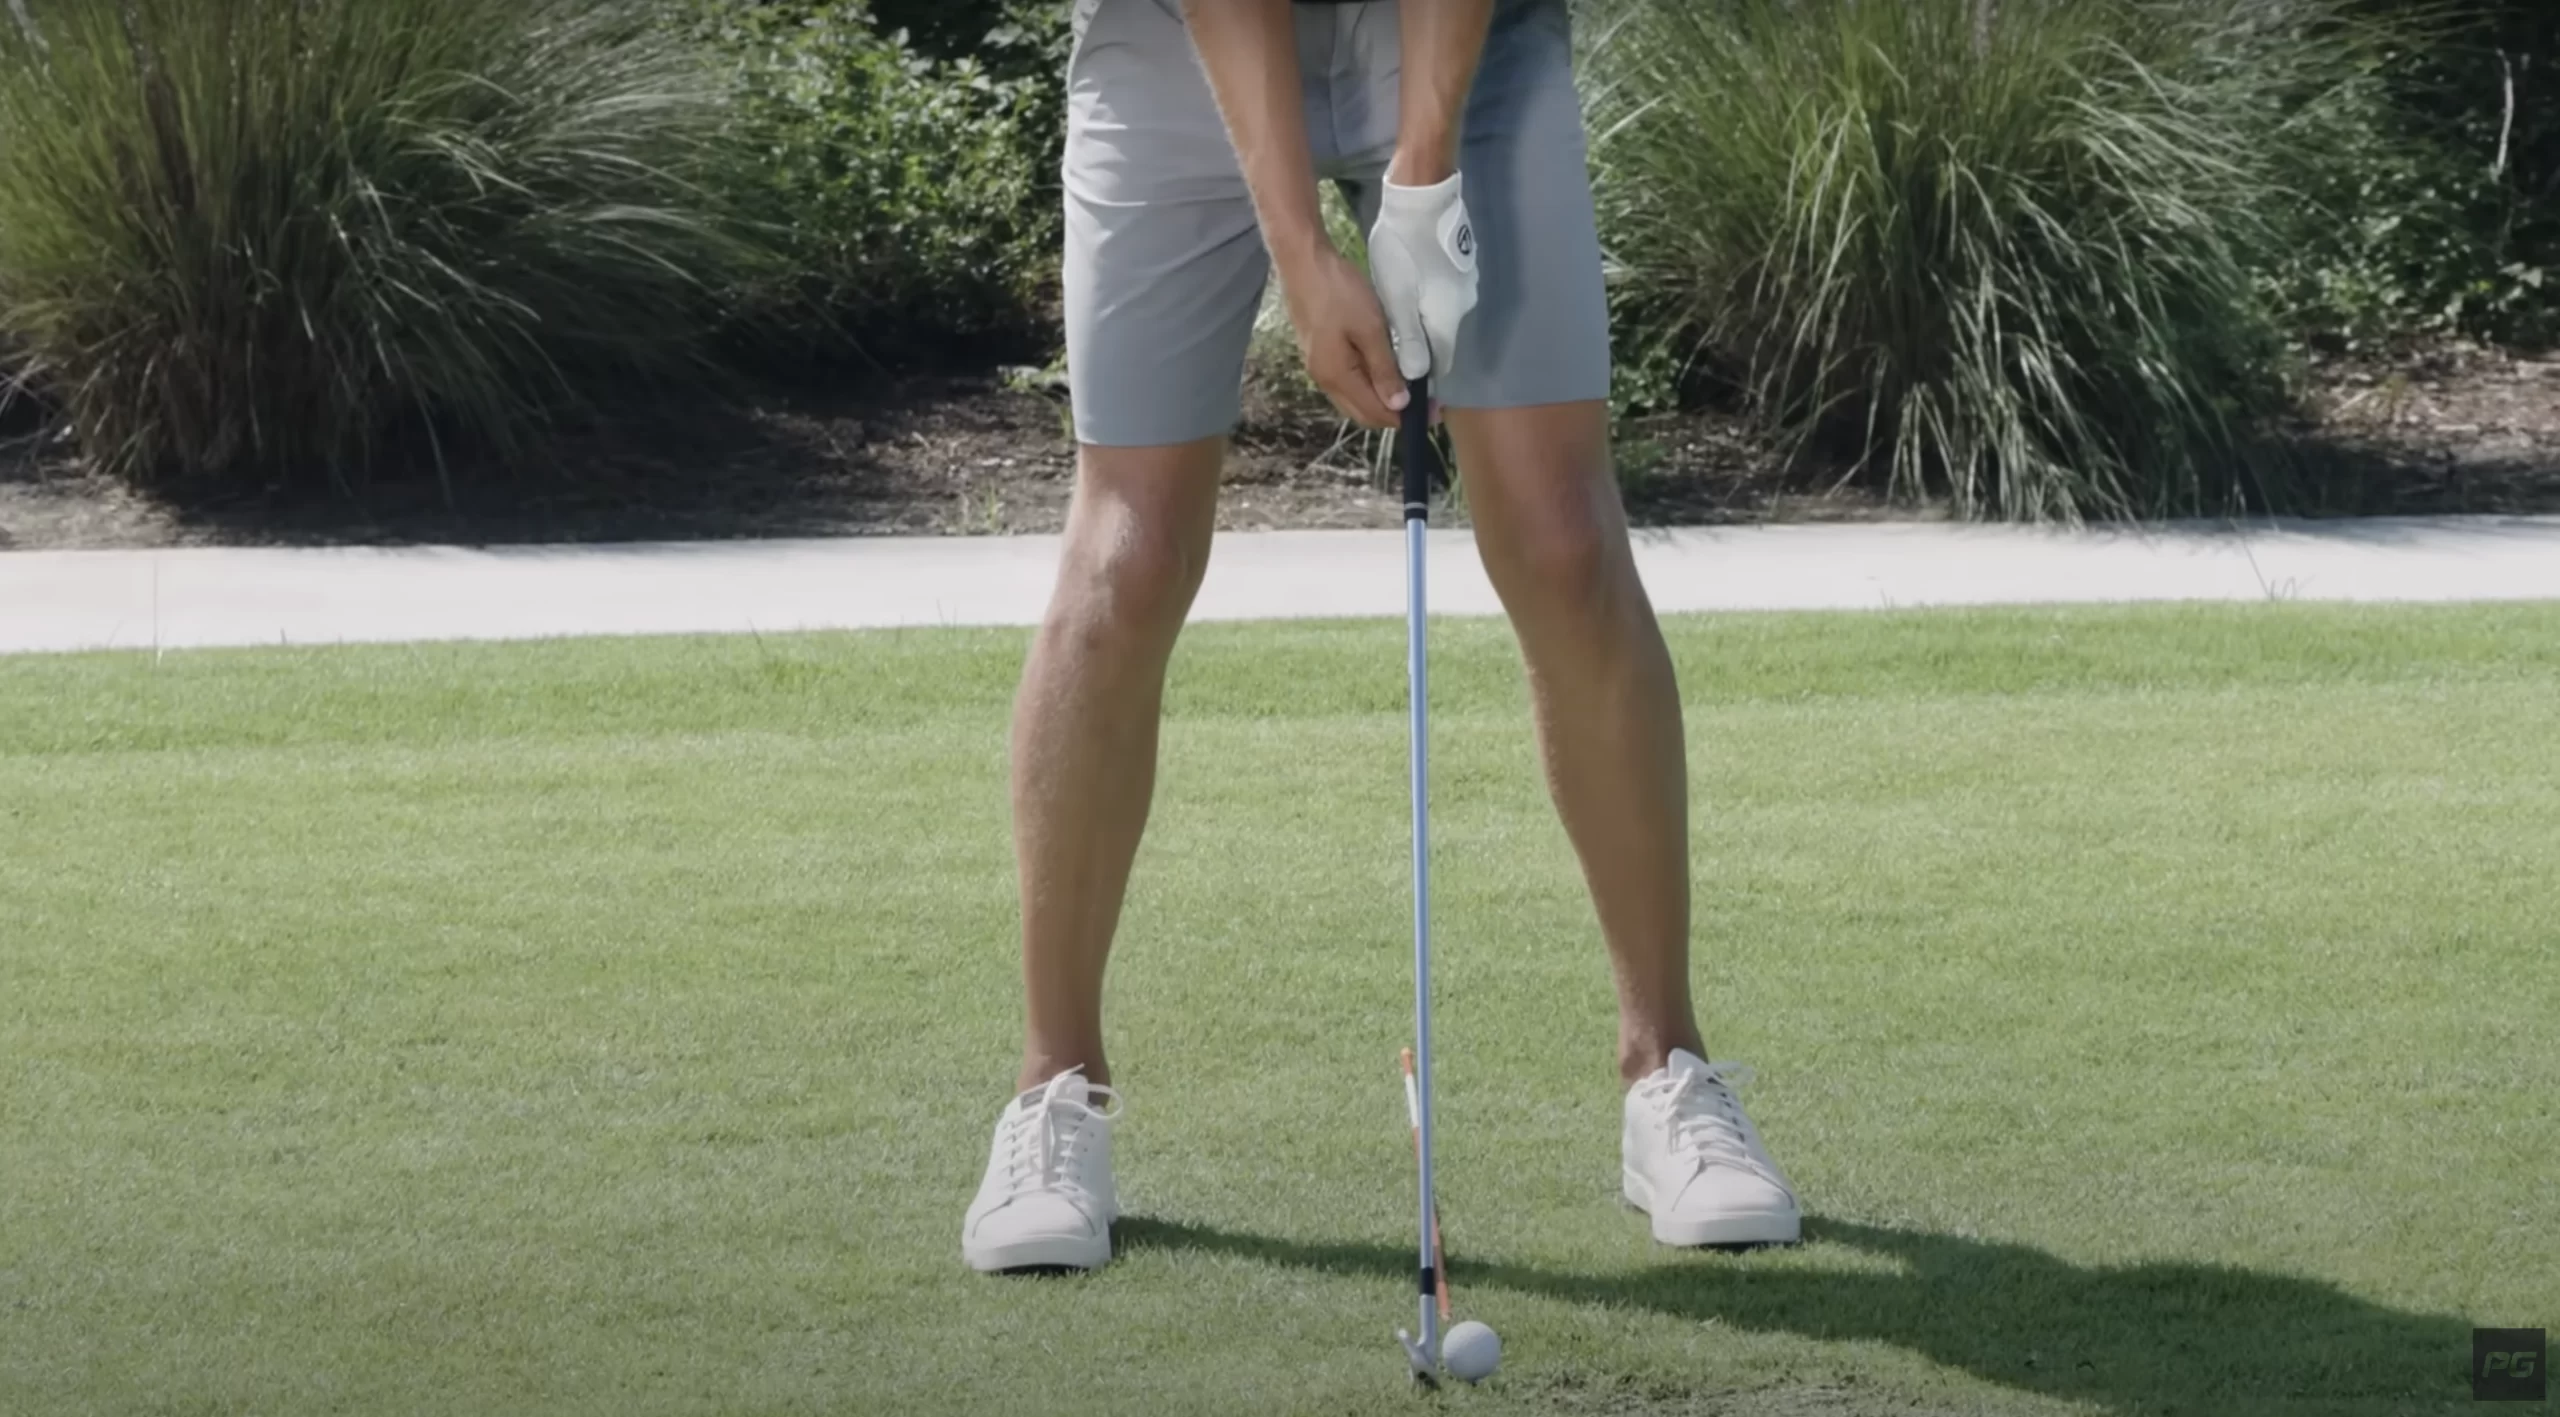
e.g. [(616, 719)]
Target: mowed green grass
[(2156, 1007)]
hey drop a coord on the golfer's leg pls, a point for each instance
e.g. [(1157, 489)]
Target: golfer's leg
[(1164, 266), (1084, 727), (1527, 393), (1527, 398), (1554, 541)]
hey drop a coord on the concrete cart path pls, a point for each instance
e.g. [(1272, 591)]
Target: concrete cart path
[(191, 598)]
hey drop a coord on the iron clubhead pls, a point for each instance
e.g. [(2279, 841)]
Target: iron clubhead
[(1426, 1367)]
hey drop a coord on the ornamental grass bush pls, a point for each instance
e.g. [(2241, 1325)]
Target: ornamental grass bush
[(243, 242), (2009, 255)]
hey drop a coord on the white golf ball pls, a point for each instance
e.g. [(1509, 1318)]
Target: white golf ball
[(1471, 1352)]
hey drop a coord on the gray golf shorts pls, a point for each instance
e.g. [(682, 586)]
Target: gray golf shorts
[(1165, 265)]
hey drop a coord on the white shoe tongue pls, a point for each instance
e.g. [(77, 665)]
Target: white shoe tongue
[(1065, 1087), (1684, 1061)]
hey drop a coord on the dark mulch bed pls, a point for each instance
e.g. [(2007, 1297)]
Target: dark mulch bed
[(2454, 430)]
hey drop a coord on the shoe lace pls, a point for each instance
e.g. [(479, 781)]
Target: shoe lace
[(1047, 1132), (1707, 1125)]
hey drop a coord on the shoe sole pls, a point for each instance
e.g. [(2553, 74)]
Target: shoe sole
[(1045, 1252), (1747, 1227)]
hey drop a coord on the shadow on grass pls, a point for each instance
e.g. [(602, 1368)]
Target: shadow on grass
[(2150, 1338)]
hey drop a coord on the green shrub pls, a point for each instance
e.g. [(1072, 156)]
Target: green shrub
[(2003, 253), (915, 198), (952, 29), (2397, 236), (244, 240), (2436, 183)]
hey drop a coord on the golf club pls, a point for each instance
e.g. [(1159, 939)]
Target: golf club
[(1413, 443)]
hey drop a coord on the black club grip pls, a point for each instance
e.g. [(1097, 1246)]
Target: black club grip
[(1413, 443)]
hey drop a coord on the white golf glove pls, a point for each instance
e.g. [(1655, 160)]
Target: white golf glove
[(1422, 258)]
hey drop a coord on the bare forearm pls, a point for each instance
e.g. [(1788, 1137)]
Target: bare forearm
[(1250, 50), (1443, 42)]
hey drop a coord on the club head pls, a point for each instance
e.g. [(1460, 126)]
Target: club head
[(1426, 1368)]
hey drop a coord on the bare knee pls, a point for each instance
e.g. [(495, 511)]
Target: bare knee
[(1133, 579), (1555, 548), (1557, 551), (1547, 517), (1137, 544)]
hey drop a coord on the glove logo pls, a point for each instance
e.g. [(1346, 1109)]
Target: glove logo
[(1458, 238)]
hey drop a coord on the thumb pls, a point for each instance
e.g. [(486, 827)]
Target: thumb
[(1399, 283), (1380, 362), (1414, 346)]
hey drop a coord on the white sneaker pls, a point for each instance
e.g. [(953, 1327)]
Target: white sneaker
[(1694, 1162), (1047, 1201)]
